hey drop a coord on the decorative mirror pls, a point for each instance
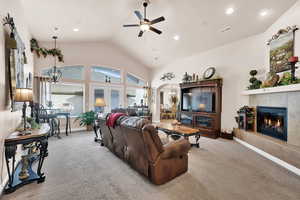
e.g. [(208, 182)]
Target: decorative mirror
[(15, 60)]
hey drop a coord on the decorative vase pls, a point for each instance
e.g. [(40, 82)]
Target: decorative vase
[(24, 174)]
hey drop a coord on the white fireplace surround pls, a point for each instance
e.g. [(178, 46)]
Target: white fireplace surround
[(279, 89)]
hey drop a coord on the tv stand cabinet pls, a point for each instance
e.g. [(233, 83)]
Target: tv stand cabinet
[(209, 123)]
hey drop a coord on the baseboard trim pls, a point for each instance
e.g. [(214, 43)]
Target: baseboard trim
[(78, 129), (156, 121), (276, 160)]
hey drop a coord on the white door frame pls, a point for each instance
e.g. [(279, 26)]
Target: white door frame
[(107, 95)]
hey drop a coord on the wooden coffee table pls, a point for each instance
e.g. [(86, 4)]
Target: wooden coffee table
[(180, 130)]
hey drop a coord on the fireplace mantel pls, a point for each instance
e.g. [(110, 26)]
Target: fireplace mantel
[(287, 88)]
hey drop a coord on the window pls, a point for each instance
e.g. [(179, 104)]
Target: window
[(98, 93), (132, 80), (135, 96), (115, 99), (105, 75), (112, 96), (68, 97), (69, 72)]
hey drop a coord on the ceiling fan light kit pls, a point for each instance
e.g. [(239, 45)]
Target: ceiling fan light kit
[(145, 24)]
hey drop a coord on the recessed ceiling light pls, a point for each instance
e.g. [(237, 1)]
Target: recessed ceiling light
[(264, 13), (75, 29), (176, 37), (229, 11)]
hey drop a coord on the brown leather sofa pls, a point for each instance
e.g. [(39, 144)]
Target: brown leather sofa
[(136, 141)]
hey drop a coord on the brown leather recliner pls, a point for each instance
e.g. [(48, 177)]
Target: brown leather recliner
[(137, 142)]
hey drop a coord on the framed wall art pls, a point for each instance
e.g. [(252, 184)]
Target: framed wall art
[(281, 49)]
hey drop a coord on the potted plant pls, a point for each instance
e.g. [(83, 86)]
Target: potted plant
[(87, 119)]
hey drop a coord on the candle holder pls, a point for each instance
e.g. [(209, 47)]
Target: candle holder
[(293, 61)]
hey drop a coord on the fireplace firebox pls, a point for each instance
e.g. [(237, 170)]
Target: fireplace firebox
[(272, 121)]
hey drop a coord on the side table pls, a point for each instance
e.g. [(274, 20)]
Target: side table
[(23, 173)]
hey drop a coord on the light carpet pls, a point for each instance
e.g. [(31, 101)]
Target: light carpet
[(77, 168)]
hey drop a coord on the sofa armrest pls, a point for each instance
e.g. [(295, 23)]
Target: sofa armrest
[(176, 149)]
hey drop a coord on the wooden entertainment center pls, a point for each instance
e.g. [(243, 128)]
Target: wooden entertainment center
[(201, 106)]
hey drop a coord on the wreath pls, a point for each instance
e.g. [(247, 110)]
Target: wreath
[(34, 47)]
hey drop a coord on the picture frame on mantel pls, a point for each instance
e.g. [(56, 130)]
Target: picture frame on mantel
[(281, 49)]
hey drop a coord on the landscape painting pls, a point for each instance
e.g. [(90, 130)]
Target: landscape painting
[(281, 50)]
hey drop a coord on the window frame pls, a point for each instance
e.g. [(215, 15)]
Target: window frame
[(68, 79), (107, 67), (87, 83), (107, 90), (134, 85), (130, 87), (74, 84)]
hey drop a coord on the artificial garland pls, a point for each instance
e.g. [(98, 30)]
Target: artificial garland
[(34, 46)]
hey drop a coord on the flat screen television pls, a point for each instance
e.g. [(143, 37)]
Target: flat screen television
[(196, 100)]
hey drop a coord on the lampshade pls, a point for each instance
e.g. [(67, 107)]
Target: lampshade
[(23, 95), (100, 102), (202, 106)]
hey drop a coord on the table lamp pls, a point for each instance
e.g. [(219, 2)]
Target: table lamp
[(100, 102), (202, 107), (24, 95)]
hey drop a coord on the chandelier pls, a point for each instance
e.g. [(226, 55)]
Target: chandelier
[(55, 74)]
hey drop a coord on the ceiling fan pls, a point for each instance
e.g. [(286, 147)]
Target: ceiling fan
[(145, 24)]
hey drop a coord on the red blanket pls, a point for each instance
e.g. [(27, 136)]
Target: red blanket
[(112, 118)]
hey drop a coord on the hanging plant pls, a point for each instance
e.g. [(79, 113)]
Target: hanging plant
[(34, 46)]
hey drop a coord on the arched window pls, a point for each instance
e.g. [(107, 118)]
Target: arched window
[(133, 80), (105, 75), (69, 72)]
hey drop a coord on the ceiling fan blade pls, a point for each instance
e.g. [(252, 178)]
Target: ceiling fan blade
[(141, 33), (155, 30), (139, 15), (131, 25), (155, 21)]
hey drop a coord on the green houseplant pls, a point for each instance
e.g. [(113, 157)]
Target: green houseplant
[(87, 119)]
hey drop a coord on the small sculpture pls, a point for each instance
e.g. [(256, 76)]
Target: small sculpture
[(272, 80), (187, 78), (167, 76)]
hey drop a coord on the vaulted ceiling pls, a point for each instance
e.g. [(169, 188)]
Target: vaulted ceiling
[(199, 23)]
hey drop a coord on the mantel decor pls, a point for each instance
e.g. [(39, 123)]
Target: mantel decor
[(282, 49)]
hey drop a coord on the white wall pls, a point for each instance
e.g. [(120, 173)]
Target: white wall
[(233, 63), (8, 120)]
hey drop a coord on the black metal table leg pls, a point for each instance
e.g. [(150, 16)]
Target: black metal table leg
[(197, 144), (98, 137), (67, 124), (14, 171)]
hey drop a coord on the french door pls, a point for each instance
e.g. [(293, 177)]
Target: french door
[(112, 95)]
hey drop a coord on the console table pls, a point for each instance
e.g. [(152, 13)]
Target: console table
[(36, 145)]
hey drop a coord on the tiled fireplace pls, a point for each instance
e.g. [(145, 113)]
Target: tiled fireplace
[(272, 121), (280, 115)]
